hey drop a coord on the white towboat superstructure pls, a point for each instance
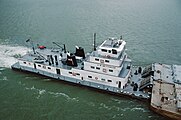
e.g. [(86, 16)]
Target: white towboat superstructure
[(107, 67)]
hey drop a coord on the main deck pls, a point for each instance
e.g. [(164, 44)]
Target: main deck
[(127, 91)]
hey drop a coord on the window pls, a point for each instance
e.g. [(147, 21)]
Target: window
[(107, 61), (70, 72), (110, 70), (109, 80), (92, 67), (89, 76), (103, 50), (103, 79), (49, 68), (44, 67), (96, 59), (114, 51), (98, 68)]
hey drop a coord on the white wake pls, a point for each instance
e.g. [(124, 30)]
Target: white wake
[(9, 54)]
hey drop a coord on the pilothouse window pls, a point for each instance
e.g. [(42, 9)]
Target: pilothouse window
[(114, 51), (103, 50)]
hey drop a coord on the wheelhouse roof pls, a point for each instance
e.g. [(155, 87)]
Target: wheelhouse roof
[(113, 43)]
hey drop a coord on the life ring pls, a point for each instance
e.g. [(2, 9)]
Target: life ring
[(108, 56), (102, 61), (104, 70), (74, 74), (96, 78)]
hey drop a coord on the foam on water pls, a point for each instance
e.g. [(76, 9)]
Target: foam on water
[(4, 78), (9, 54), (40, 92), (138, 109), (1, 69)]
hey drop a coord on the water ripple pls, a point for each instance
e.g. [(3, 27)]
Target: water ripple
[(41, 92)]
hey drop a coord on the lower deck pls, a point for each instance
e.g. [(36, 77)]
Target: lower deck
[(128, 90)]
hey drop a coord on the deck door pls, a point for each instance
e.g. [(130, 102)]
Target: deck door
[(58, 71), (119, 85)]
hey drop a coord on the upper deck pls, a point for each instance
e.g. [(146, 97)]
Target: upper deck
[(113, 43), (112, 48)]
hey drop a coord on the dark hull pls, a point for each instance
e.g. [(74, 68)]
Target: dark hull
[(169, 115)]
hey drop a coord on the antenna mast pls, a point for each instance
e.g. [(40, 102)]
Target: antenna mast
[(121, 37), (29, 40), (94, 42), (63, 48)]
